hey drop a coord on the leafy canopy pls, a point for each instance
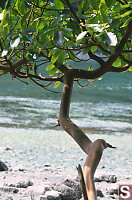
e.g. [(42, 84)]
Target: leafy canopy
[(58, 30)]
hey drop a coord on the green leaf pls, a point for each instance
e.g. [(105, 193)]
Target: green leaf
[(32, 55), (48, 31), (14, 42), (74, 27), (81, 35), (5, 4), (110, 3), (58, 4), (29, 30), (98, 28), (3, 17), (58, 38), (2, 4), (105, 38), (130, 69), (57, 84), (90, 69), (58, 19), (94, 4), (71, 1), (5, 51), (51, 52), (128, 13), (40, 26), (113, 38), (72, 55), (110, 38), (50, 67), (86, 50), (94, 48), (27, 38), (55, 56), (23, 19), (61, 57), (126, 22), (53, 71), (3, 72), (117, 63)]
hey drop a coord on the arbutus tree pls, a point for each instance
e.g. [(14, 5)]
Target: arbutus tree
[(57, 31)]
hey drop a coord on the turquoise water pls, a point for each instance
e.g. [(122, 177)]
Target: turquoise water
[(103, 110)]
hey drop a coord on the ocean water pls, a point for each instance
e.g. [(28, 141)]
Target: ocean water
[(103, 110)]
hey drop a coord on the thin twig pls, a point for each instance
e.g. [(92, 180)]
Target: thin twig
[(43, 86)]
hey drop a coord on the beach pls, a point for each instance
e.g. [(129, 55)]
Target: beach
[(32, 148)]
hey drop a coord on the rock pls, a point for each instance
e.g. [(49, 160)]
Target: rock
[(70, 189), (47, 165), (106, 178), (46, 188), (3, 166), (67, 192), (24, 184), (113, 191), (75, 186), (99, 193), (51, 195), (9, 189), (19, 168), (5, 148), (112, 179), (8, 149)]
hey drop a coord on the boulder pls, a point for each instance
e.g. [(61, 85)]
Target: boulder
[(3, 166)]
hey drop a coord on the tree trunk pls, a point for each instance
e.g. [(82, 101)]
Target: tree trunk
[(94, 150)]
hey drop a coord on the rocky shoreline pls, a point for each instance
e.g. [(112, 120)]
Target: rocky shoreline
[(47, 184)]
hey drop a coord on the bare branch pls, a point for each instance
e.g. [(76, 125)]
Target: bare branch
[(82, 182), (83, 85), (14, 25), (43, 86), (28, 20), (96, 58)]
